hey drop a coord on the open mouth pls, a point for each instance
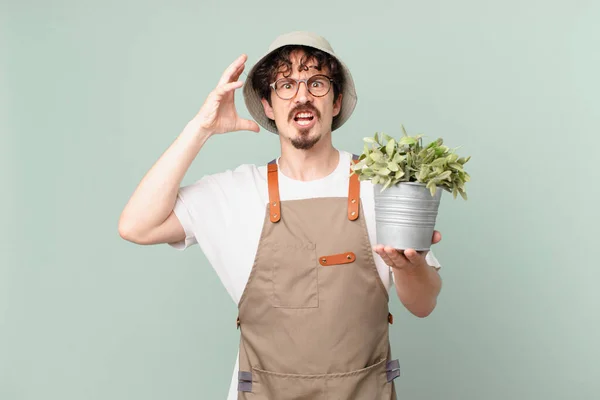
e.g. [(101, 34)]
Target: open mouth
[(304, 118)]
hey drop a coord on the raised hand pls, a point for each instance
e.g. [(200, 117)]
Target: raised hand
[(218, 113)]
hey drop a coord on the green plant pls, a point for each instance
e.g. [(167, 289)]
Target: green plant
[(406, 160)]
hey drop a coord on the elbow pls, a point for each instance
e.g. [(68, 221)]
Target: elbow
[(422, 311), (127, 232)]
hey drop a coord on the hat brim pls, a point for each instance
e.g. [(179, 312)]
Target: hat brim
[(254, 105)]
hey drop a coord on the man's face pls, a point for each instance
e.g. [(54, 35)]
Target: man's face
[(305, 118)]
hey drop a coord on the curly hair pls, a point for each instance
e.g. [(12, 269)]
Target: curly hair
[(279, 61)]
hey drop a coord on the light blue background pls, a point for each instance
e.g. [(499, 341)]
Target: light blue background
[(92, 93)]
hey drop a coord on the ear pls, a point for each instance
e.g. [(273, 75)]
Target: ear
[(337, 105), (268, 109)]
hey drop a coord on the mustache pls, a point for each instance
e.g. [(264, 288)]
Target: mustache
[(305, 107)]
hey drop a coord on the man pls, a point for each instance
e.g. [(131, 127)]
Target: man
[(292, 240)]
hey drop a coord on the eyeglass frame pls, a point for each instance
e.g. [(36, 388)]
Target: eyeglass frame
[(299, 81)]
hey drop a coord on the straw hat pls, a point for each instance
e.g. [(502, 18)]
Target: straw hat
[(252, 97)]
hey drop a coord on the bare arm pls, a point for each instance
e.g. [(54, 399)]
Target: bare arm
[(418, 284), (148, 216)]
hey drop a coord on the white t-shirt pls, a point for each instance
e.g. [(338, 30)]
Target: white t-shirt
[(229, 207)]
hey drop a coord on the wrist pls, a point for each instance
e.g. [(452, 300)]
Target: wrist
[(196, 128)]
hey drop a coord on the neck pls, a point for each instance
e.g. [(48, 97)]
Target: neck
[(307, 165)]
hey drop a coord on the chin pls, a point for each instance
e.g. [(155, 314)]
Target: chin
[(304, 141)]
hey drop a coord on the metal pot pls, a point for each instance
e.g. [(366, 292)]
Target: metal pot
[(405, 215)]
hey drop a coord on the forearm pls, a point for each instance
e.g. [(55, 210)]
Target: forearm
[(155, 196), (418, 288)]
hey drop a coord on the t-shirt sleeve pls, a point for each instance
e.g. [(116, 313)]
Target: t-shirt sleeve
[(432, 260), (200, 208), (182, 213)]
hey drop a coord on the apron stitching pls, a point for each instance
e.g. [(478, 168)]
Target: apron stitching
[(369, 251), (256, 257)]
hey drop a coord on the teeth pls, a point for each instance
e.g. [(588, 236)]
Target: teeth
[(304, 115)]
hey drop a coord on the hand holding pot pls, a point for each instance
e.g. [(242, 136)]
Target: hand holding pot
[(408, 259)]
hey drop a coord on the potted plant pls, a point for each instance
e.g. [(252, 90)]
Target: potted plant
[(409, 180)]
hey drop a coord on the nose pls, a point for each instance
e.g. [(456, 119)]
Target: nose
[(303, 95)]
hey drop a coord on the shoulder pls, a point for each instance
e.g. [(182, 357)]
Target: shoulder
[(240, 176)]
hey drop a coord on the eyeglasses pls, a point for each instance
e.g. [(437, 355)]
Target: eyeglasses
[(317, 85)]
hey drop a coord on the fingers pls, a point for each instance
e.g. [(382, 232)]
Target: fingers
[(437, 236), (384, 256), (234, 68), (247, 125), (228, 87), (238, 72), (413, 256), (397, 257), (391, 256), (400, 258)]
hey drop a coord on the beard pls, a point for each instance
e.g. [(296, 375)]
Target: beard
[(303, 141)]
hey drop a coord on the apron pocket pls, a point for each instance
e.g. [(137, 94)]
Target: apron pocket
[(366, 383), (295, 269)]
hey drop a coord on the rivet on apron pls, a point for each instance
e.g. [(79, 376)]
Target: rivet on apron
[(353, 201), (353, 213), (349, 257), (275, 204), (274, 215), (324, 260)]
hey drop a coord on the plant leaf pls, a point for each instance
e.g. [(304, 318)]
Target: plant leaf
[(438, 162), (444, 175), (392, 166), (390, 147), (456, 166), (377, 157), (463, 160), (398, 158), (388, 183), (407, 140)]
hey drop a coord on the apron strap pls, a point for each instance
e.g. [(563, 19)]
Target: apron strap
[(273, 184), (353, 193), (274, 203)]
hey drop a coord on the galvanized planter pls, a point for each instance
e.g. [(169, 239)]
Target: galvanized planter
[(405, 215)]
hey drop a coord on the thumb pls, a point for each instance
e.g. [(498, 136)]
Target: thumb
[(247, 125)]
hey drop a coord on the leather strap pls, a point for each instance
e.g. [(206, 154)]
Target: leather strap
[(336, 259), (353, 195), (273, 183), (274, 203)]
